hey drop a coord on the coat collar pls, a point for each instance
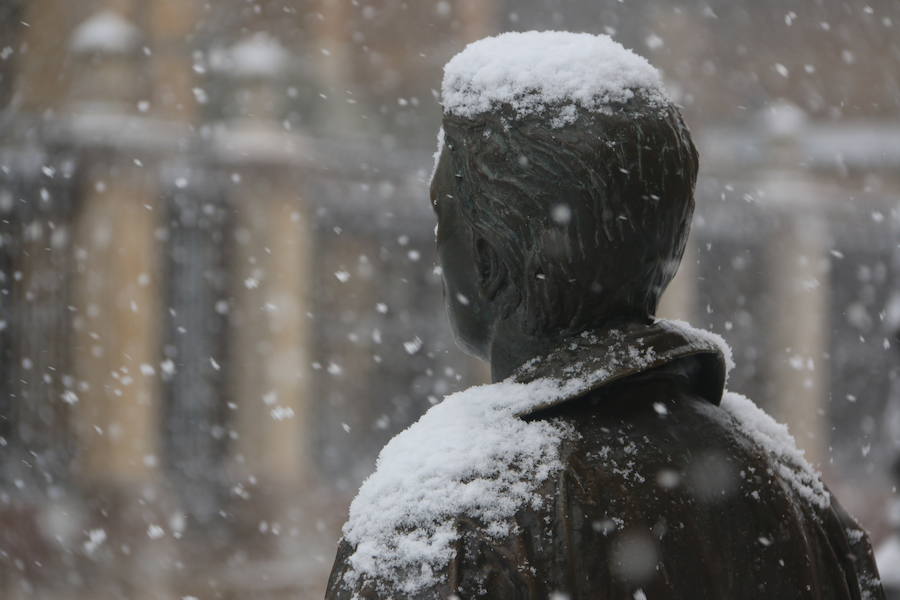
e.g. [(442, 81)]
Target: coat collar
[(596, 358)]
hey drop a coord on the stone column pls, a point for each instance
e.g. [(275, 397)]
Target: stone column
[(42, 79), (172, 95), (270, 332), (332, 35), (116, 399), (330, 57), (117, 308), (799, 329)]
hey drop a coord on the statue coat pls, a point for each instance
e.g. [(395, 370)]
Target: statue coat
[(661, 495)]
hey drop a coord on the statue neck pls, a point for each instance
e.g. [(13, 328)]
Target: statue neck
[(508, 354)]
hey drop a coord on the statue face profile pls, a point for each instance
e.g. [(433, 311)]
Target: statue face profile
[(469, 313)]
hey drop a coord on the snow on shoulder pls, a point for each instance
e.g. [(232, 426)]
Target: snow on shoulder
[(710, 337), (536, 70), (777, 441), (469, 455)]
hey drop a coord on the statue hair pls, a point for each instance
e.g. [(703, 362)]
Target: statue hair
[(588, 220)]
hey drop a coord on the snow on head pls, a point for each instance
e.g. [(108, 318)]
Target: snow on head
[(536, 70), (469, 455)]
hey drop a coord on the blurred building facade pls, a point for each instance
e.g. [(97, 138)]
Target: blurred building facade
[(217, 294)]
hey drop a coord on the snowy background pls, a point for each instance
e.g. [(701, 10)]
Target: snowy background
[(217, 289)]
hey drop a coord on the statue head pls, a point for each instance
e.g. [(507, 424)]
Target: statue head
[(563, 188)]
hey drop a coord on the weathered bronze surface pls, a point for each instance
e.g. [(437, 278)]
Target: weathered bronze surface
[(544, 234)]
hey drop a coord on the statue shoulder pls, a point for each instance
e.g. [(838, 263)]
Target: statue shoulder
[(467, 466)]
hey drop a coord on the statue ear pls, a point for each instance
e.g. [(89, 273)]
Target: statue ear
[(491, 272)]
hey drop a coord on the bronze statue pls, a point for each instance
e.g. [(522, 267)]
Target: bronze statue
[(562, 215)]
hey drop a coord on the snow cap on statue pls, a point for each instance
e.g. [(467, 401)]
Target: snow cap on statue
[(548, 73), (570, 160)]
